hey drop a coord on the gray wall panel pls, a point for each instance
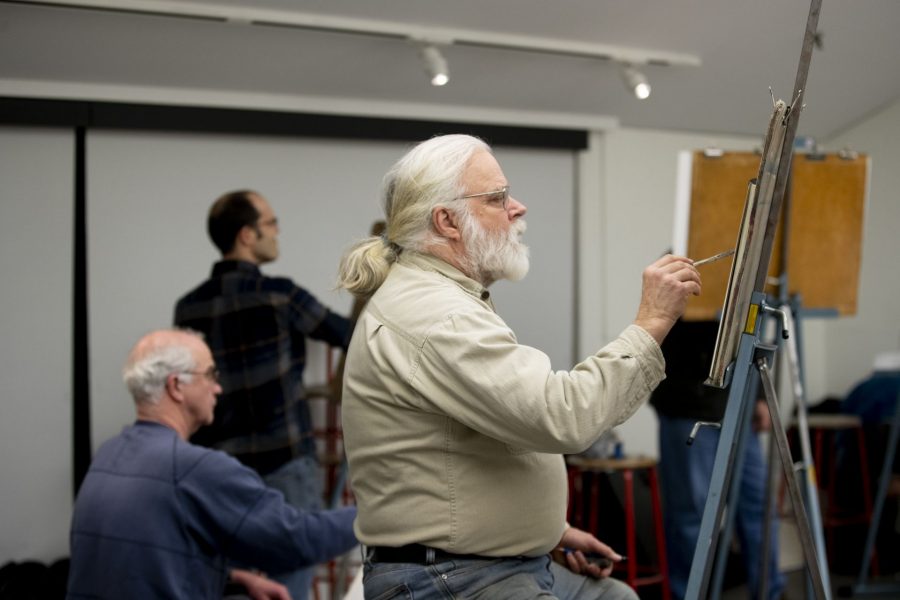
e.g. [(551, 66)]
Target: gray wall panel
[(36, 179)]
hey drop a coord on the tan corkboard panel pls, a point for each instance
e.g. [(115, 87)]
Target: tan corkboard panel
[(718, 193), (826, 221), (825, 245)]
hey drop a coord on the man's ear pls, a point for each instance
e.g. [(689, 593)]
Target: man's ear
[(173, 387), (445, 223), (246, 236)]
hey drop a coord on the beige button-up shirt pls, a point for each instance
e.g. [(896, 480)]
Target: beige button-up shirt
[(454, 431)]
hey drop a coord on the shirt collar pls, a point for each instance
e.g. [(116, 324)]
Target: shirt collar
[(430, 262), (226, 266)]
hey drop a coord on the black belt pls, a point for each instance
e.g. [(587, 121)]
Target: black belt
[(417, 554)]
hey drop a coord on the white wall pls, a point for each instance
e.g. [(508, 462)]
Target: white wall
[(36, 355)]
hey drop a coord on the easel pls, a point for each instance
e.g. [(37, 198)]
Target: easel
[(805, 470), (836, 181), (740, 348), (753, 352)]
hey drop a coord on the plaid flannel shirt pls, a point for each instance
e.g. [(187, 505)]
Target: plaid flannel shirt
[(256, 327)]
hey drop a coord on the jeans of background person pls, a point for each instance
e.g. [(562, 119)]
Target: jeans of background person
[(685, 476), (489, 579), (301, 483)]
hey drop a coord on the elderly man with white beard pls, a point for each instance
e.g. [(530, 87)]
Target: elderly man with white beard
[(453, 430)]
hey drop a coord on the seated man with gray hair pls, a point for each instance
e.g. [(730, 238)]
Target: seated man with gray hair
[(159, 517)]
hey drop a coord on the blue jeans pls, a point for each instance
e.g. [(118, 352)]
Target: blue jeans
[(488, 579), (685, 476), (301, 484)]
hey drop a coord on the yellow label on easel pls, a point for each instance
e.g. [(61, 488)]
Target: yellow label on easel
[(751, 318)]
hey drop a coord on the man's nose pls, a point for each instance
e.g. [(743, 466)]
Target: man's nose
[(516, 209)]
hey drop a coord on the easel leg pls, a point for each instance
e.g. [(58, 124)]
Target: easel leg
[(734, 492), (765, 554), (732, 424), (805, 472), (803, 524)]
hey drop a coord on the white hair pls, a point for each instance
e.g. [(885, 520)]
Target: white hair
[(429, 175), (151, 362)]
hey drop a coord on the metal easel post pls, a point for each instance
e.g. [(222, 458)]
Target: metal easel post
[(806, 469), (772, 480), (733, 423), (751, 351), (734, 491), (813, 562)]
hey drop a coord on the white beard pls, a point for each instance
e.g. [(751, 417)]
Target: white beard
[(493, 256)]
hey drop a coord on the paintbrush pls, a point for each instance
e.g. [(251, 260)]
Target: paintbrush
[(714, 258)]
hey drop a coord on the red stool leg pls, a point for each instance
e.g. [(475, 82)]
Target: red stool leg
[(578, 498), (594, 513), (825, 487), (867, 494), (315, 587), (630, 539), (662, 562)]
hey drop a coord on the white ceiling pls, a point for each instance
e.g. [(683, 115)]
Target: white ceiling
[(743, 48)]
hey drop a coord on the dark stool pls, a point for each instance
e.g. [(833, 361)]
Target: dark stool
[(823, 432)]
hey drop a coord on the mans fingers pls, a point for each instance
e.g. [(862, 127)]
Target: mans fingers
[(607, 551), (576, 561)]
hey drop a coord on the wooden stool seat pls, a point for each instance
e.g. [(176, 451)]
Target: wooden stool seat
[(611, 464), (657, 574), (835, 421)]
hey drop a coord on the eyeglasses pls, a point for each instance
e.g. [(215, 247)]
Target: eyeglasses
[(273, 222), (211, 374), (497, 197)]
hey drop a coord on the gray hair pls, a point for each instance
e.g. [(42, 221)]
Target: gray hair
[(428, 176), (153, 359)]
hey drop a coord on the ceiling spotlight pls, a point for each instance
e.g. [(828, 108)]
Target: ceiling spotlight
[(435, 65), (636, 81)]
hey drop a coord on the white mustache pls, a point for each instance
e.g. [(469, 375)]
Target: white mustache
[(519, 227)]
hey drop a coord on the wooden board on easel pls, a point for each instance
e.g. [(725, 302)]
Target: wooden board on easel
[(825, 222)]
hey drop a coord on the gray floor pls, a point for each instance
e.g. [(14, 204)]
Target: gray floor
[(842, 586)]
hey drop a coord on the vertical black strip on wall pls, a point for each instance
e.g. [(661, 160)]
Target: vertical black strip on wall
[(81, 404), (575, 348)]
